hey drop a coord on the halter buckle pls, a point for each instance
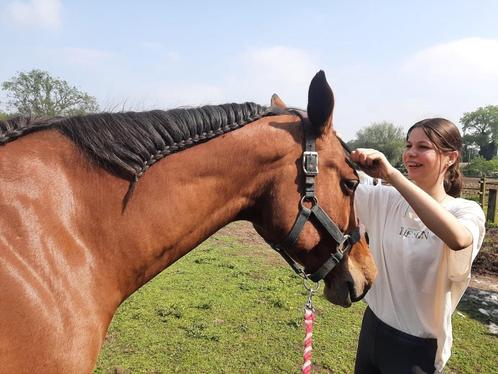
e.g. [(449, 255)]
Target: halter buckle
[(310, 163), (344, 243)]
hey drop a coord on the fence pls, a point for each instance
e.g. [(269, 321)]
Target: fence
[(485, 192)]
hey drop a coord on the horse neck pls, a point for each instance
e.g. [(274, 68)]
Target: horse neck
[(183, 200)]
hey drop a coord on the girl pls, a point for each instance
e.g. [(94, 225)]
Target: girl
[(423, 238)]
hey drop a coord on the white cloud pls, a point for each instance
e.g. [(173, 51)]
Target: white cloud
[(472, 58), (33, 13), (443, 80), (455, 77)]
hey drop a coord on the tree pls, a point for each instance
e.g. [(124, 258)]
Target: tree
[(479, 167), (36, 93), (383, 136), (3, 116), (470, 148), (480, 129)]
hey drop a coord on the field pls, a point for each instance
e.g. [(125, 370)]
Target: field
[(233, 306)]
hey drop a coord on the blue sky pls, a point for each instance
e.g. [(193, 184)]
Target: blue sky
[(391, 61)]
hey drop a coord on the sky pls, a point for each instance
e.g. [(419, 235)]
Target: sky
[(395, 61)]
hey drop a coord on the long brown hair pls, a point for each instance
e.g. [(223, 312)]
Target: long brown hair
[(446, 138)]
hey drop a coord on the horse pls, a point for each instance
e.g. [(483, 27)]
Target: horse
[(94, 206)]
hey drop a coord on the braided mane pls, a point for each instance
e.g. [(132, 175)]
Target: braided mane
[(16, 127), (128, 144)]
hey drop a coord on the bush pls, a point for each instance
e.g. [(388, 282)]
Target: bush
[(479, 167)]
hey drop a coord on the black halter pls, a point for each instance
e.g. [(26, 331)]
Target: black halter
[(344, 241)]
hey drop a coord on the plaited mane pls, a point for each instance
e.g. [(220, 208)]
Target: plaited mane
[(128, 144), (16, 127)]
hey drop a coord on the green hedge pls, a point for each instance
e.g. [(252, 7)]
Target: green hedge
[(479, 167)]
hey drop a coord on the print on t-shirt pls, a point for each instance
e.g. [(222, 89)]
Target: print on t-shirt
[(413, 233)]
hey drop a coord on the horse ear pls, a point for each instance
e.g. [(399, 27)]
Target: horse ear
[(276, 101), (320, 103)]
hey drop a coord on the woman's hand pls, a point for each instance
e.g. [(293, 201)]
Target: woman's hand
[(374, 163)]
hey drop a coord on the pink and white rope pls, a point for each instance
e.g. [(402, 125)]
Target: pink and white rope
[(309, 317)]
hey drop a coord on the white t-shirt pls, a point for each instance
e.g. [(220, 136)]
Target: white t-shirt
[(420, 280)]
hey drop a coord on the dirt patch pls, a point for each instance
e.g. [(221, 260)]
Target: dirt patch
[(245, 234), (484, 282), (243, 231), (486, 262), (485, 266)]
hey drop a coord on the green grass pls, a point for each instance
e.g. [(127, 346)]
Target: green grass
[(475, 350), (233, 308)]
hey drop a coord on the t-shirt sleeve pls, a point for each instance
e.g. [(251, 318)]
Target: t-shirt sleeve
[(471, 216)]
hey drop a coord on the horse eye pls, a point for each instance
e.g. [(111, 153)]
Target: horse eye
[(350, 184)]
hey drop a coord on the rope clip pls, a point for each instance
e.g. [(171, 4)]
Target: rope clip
[(311, 287)]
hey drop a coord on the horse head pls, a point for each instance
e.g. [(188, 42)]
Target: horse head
[(307, 212)]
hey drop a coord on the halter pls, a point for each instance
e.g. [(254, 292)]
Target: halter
[(344, 241)]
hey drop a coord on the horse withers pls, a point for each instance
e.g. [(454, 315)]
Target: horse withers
[(92, 207)]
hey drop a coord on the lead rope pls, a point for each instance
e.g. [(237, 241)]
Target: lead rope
[(309, 317)]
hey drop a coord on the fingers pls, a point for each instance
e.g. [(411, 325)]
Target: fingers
[(372, 162), (366, 156)]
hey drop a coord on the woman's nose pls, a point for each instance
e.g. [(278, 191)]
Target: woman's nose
[(410, 152)]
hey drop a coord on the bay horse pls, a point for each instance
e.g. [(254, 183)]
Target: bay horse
[(92, 207)]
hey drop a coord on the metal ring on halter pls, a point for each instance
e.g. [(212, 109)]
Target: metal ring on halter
[(340, 246), (308, 198), (309, 285)]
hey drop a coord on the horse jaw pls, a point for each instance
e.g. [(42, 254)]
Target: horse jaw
[(349, 282), (345, 295)]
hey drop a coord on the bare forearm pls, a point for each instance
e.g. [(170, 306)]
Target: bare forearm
[(433, 215)]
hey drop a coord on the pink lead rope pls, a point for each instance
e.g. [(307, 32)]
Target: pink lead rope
[(309, 317)]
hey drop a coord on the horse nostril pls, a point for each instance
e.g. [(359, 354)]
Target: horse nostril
[(367, 238)]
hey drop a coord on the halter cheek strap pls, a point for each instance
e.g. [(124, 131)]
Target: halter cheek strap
[(344, 241)]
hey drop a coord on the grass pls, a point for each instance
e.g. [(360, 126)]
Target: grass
[(475, 350), (229, 307)]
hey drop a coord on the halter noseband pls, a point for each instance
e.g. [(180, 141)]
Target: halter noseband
[(344, 241)]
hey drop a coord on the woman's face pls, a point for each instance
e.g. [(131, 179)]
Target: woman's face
[(425, 164)]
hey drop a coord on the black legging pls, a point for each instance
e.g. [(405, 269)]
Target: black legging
[(385, 350)]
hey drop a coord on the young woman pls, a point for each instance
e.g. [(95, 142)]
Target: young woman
[(423, 238)]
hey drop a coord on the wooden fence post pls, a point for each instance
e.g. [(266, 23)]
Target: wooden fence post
[(492, 215), (482, 192)]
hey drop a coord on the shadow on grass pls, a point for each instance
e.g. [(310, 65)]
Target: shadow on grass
[(481, 306)]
